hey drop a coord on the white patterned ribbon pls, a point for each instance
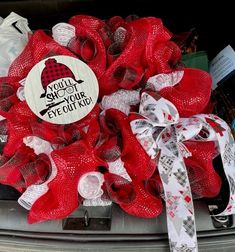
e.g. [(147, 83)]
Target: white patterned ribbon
[(158, 132), (62, 33), (178, 197), (157, 127)]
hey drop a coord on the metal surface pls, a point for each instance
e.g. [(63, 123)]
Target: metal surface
[(127, 233), (19, 244), (89, 218), (14, 218)]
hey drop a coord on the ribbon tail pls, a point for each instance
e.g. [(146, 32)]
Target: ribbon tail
[(179, 202)]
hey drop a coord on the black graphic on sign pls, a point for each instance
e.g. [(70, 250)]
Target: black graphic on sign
[(59, 82)]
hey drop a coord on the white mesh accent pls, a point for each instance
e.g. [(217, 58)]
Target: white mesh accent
[(20, 93), (2, 118), (89, 185), (96, 202), (62, 33), (117, 167), (120, 35), (22, 82), (160, 81), (31, 194), (121, 100), (38, 145)]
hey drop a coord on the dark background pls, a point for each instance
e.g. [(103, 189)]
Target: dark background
[(213, 21)]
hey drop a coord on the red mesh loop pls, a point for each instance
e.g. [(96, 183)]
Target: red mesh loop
[(154, 185), (3, 127), (115, 22), (87, 29), (89, 126), (88, 50), (162, 57), (132, 197), (203, 178), (6, 89), (131, 18), (19, 126), (119, 189), (192, 94), (39, 47), (140, 166), (144, 205), (90, 22), (37, 171), (109, 150), (10, 173), (138, 32), (45, 130), (7, 103), (113, 52)]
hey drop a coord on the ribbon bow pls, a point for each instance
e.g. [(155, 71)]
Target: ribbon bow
[(155, 113), (162, 134)]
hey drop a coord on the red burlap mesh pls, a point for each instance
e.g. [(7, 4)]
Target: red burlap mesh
[(203, 178), (192, 94), (132, 197), (128, 60), (18, 124), (39, 47), (136, 161), (93, 24), (6, 89), (90, 125), (119, 189), (48, 131), (115, 22), (88, 44), (37, 171), (8, 97), (62, 197), (10, 85), (3, 159), (69, 133), (109, 149), (7, 103), (145, 205), (3, 127), (164, 57), (93, 133), (154, 185), (10, 173), (127, 63), (89, 119)]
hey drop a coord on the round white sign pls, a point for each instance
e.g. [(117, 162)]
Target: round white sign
[(61, 89)]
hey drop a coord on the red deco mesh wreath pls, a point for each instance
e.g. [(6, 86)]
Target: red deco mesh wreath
[(123, 54)]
